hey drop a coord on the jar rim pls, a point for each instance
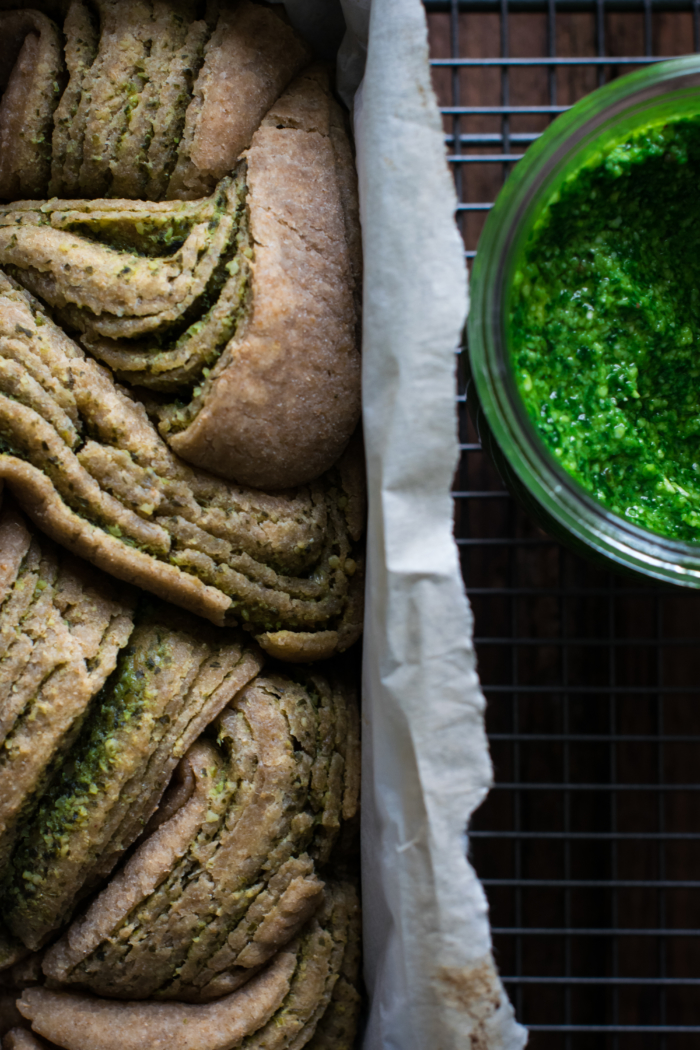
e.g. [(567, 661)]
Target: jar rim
[(657, 91)]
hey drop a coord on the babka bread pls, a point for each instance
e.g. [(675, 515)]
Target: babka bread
[(280, 1008), (218, 888), (88, 465), (233, 860), (223, 273), (179, 389)]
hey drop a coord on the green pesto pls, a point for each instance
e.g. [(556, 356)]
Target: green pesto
[(199, 336), (157, 234), (604, 327), (78, 783), (153, 235)]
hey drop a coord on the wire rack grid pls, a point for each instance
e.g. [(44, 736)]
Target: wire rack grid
[(589, 843)]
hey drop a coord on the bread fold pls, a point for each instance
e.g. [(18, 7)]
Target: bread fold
[(231, 877), (101, 291), (174, 677), (279, 1009), (248, 61), (155, 291), (285, 567), (31, 80), (284, 398), (61, 630)]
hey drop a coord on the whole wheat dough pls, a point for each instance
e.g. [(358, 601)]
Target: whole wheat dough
[(245, 308)]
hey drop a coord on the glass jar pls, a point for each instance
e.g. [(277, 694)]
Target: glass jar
[(656, 93)]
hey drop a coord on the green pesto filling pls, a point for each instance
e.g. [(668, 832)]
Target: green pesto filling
[(195, 318), (200, 335), (154, 236), (79, 780), (107, 967), (179, 414), (604, 327)]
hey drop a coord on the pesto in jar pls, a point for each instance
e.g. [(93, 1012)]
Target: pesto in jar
[(604, 327)]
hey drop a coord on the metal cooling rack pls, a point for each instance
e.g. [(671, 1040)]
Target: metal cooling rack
[(589, 843)]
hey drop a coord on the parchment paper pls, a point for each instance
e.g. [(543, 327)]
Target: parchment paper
[(428, 962)]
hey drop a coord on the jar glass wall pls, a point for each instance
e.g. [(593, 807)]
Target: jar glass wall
[(653, 95)]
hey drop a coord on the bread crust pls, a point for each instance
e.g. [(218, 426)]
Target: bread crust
[(250, 58), (61, 630), (103, 1024), (23, 1039), (30, 49), (284, 398), (236, 866)]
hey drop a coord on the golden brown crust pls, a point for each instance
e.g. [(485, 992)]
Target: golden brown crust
[(283, 400), (249, 60)]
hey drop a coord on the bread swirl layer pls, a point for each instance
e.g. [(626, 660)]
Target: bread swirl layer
[(231, 877), (170, 682), (279, 1009), (279, 565)]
